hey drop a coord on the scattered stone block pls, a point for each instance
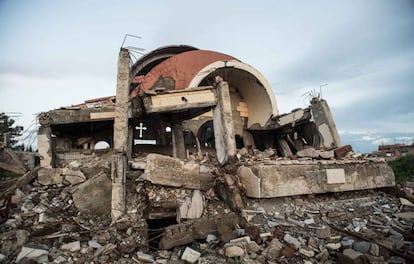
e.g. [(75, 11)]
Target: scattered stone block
[(49, 176), (307, 252), (94, 195), (272, 252), (169, 171), (192, 207), (146, 258), (406, 202), (72, 246), (374, 250), (288, 252), (253, 247), (323, 232), (34, 254), (342, 151), (292, 241), (361, 246), (74, 177), (245, 239), (333, 246), (350, 256), (190, 255), (94, 244), (234, 251), (211, 238)]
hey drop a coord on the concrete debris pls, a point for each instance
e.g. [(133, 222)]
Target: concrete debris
[(168, 171), (192, 207), (50, 176), (98, 187), (64, 212), (146, 258), (190, 255), (234, 251), (406, 202), (72, 246), (34, 254), (315, 154)]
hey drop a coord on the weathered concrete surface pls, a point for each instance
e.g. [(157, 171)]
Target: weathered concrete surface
[(182, 234), (168, 171), (192, 207), (223, 124), (70, 116), (119, 159), (94, 195), (281, 179), (44, 144), (325, 123), (118, 176), (50, 176), (58, 176), (121, 104)]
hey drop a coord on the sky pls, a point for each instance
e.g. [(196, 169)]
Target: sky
[(358, 54)]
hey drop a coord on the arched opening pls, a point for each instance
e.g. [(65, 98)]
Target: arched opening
[(206, 135), (250, 84), (102, 145)]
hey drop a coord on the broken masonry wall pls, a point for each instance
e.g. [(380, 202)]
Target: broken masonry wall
[(287, 178), (45, 146), (325, 123)]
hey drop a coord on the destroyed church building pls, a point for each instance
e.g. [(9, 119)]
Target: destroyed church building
[(177, 105)]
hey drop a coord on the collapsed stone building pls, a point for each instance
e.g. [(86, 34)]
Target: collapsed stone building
[(187, 125)]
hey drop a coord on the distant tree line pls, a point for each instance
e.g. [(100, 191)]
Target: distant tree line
[(9, 132)]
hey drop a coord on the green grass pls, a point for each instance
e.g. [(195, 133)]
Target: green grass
[(403, 168)]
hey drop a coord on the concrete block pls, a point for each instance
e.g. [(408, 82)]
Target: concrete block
[(168, 171), (49, 176), (35, 254), (190, 255), (94, 195)]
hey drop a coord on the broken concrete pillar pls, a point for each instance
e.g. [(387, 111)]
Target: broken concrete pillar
[(178, 141), (119, 159), (130, 142), (225, 142), (118, 172), (45, 146), (121, 104), (325, 123)]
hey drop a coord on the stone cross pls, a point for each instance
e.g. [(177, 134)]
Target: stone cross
[(140, 128)]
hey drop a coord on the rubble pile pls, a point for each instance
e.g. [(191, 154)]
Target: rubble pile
[(198, 213)]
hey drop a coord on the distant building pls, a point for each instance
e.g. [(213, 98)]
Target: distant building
[(395, 150)]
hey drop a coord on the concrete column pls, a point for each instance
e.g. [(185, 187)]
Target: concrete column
[(118, 176), (121, 104), (130, 142), (45, 146), (223, 124), (119, 158), (178, 141), (325, 123)]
